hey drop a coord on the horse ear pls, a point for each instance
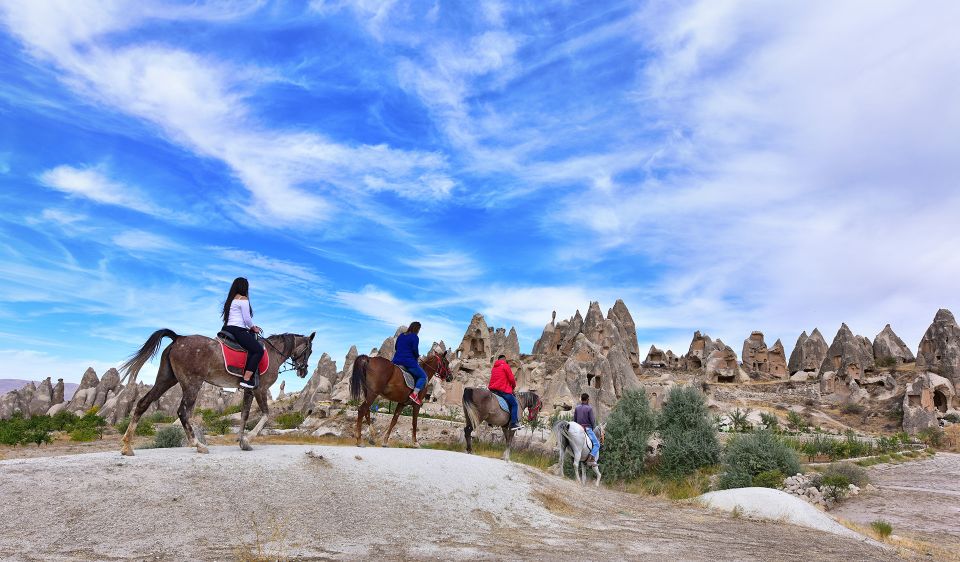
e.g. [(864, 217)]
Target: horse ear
[(311, 335)]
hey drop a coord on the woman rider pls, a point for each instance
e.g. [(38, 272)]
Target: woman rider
[(408, 355), (238, 320)]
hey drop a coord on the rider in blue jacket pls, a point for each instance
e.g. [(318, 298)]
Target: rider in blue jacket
[(407, 355)]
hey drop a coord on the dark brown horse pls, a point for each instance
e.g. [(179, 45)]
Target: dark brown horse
[(377, 376), (193, 360), (480, 405)]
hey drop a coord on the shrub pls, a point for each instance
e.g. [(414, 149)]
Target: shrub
[(796, 421), (289, 420), (122, 425), (63, 421), (740, 421), (39, 436), (851, 472), (886, 362), (952, 418), (230, 410), (834, 486), (158, 417), (852, 409), (932, 436), (688, 434), (748, 455), (145, 428), (769, 479), (629, 426), (172, 436), (84, 434), (882, 528), (769, 422)]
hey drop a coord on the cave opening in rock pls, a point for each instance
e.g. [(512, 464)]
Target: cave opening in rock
[(940, 400)]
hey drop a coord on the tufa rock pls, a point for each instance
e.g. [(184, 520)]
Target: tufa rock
[(721, 365), (849, 356), (927, 399), (939, 350), (758, 359), (809, 353), (58, 392), (888, 344)]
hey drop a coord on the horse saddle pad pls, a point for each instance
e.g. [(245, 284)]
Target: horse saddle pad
[(235, 357), (503, 403), (407, 377)]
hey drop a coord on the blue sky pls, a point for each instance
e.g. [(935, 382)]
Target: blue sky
[(721, 166)]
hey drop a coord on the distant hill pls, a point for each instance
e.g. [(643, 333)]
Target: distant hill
[(6, 385)]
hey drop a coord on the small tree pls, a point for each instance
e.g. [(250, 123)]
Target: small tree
[(770, 422), (628, 429), (689, 437), (740, 420), (796, 422), (749, 455)]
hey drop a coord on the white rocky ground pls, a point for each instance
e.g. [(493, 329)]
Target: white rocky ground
[(395, 504)]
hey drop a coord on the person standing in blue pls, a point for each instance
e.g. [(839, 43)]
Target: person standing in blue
[(407, 355), (583, 415)]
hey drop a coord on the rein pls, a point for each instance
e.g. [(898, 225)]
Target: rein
[(288, 343)]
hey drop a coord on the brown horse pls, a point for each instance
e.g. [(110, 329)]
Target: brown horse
[(193, 360), (480, 405), (377, 376)]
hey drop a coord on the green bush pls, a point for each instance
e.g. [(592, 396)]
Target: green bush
[(289, 420), (796, 421), (747, 456), (852, 409), (740, 421), (689, 437), (769, 422), (122, 425), (851, 472), (63, 421), (235, 409), (834, 486), (84, 434), (931, 436), (886, 362), (171, 436), (952, 418), (214, 423), (629, 426), (145, 428), (882, 528), (769, 479), (159, 417)]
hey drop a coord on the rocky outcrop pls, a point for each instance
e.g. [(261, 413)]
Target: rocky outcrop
[(504, 343), (850, 357), (389, 346), (627, 328), (42, 399), (760, 360), (721, 365), (319, 387), (939, 350), (656, 358), (888, 347), (808, 354), (927, 399), (58, 392), (109, 383), (476, 341), (701, 346), (85, 394)]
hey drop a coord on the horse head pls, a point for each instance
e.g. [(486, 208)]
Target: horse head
[(534, 405), (300, 356), (443, 367)]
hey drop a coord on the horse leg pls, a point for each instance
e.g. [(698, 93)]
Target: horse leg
[(508, 439), (165, 381), (264, 414), (416, 412), (185, 411), (468, 436), (597, 471), (244, 414), (393, 422), (372, 437), (364, 409)]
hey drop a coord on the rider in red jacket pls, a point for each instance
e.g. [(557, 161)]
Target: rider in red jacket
[(502, 383)]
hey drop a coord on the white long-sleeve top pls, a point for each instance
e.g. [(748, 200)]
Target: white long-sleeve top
[(240, 314)]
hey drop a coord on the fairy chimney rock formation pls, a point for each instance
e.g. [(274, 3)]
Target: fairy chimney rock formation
[(656, 358), (623, 320), (849, 357), (721, 365), (109, 383), (809, 353), (928, 398), (86, 393), (701, 346), (389, 346), (42, 399), (58, 392), (319, 387), (759, 359), (476, 341), (888, 344), (939, 350), (777, 360)]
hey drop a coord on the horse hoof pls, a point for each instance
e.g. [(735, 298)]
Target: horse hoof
[(126, 451), (416, 445), (245, 445), (202, 449)]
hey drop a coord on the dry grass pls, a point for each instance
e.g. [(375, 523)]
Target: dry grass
[(906, 546), (682, 489), (951, 438), (269, 545), (554, 503)]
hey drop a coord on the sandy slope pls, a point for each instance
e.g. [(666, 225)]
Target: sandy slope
[(174, 504)]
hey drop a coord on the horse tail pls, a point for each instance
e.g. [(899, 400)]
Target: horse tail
[(562, 432), (131, 367), (358, 380), (470, 409)]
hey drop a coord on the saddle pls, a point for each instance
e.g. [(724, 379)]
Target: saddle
[(235, 356), (408, 377), (503, 403)]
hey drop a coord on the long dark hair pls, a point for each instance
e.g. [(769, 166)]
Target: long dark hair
[(414, 328), (240, 287)]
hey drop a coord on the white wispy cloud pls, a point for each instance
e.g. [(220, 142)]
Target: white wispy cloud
[(92, 183)]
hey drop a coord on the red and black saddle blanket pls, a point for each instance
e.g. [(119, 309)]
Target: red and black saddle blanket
[(235, 357)]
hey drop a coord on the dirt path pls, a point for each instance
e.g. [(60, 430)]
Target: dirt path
[(173, 504), (919, 498)]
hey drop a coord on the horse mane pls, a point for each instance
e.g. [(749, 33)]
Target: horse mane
[(289, 341)]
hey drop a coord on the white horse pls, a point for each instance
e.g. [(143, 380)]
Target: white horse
[(573, 440)]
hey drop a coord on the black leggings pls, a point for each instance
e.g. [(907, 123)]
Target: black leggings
[(249, 342)]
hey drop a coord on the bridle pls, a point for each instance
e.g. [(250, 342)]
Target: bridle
[(533, 410), (442, 371), (298, 363)]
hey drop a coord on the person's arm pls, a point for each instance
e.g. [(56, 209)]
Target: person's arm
[(245, 314), (415, 346), (592, 418), (510, 377)]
